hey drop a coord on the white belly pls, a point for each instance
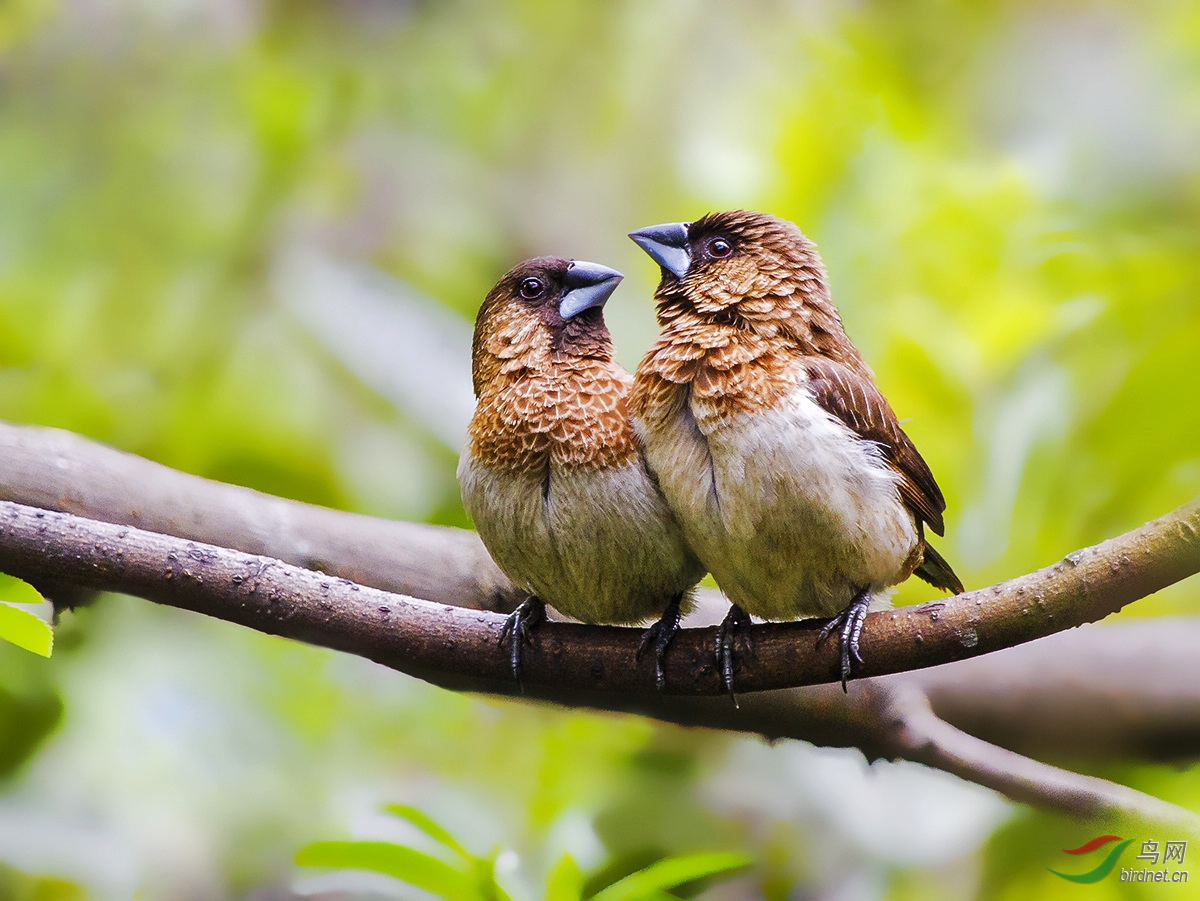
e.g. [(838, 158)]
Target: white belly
[(600, 545), (789, 510)]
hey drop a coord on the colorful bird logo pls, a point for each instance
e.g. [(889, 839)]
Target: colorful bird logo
[(1105, 866)]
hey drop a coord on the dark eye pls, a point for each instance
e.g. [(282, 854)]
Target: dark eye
[(719, 247), (531, 288)]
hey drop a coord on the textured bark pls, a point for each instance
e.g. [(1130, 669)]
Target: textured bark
[(457, 646), (57, 470), (1097, 694)]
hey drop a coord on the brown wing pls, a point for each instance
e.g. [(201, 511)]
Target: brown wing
[(856, 401)]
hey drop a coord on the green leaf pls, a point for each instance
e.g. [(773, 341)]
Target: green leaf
[(17, 591), (21, 627), (25, 630), (406, 864), (655, 879), (484, 869), (428, 826), (565, 881)]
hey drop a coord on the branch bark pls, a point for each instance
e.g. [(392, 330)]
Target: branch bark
[(447, 644), (1116, 690), (456, 648), (57, 470), (923, 737), (591, 666)]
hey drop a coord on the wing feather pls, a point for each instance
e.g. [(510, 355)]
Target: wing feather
[(857, 402)]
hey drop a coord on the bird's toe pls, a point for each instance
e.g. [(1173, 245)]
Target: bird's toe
[(734, 626), (518, 629), (659, 636), (848, 625)]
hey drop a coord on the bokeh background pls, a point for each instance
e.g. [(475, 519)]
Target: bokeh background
[(248, 239)]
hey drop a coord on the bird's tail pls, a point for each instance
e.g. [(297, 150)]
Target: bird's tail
[(937, 572)]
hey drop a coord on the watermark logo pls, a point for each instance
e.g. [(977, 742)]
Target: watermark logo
[(1171, 852), (1105, 866)]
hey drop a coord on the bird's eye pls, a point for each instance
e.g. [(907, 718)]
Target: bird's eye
[(531, 288), (719, 247)]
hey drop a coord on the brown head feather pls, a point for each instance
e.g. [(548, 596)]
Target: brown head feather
[(548, 389), (733, 327)]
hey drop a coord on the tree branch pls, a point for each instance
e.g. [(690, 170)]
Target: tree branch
[(448, 644), (1125, 689), (457, 648), (57, 470), (591, 666), (921, 736)]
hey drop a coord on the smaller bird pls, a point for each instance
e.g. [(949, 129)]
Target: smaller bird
[(785, 465), (552, 473)]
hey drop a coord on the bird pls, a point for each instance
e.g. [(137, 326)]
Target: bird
[(784, 463), (552, 473)]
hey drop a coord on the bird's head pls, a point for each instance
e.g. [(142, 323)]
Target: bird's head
[(542, 311), (738, 266)]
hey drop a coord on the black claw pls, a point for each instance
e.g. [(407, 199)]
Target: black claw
[(660, 636), (849, 625), (517, 629), (736, 621)]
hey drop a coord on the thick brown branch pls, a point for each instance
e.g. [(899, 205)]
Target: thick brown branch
[(56, 470), (457, 648), (579, 665), (453, 645)]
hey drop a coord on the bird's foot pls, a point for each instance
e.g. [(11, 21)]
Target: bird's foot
[(517, 628), (736, 621), (659, 636), (848, 624)]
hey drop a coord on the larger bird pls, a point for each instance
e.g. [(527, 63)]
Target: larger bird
[(784, 463), (553, 474)]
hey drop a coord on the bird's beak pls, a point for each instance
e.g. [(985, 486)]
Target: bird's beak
[(588, 285), (667, 245)]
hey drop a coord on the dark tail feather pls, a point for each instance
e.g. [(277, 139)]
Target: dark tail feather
[(937, 572)]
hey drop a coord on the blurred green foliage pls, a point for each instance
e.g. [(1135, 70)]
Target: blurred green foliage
[(1007, 196), (18, 886), (28, 712), (468, 877)]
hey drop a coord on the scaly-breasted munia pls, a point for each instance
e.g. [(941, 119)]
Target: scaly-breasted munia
[(783, 462), (553, 474)]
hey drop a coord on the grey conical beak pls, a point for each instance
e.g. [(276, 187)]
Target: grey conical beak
[(667, 245), (588, 285)]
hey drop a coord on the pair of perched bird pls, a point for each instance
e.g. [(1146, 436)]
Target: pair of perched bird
[(751, 443)]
